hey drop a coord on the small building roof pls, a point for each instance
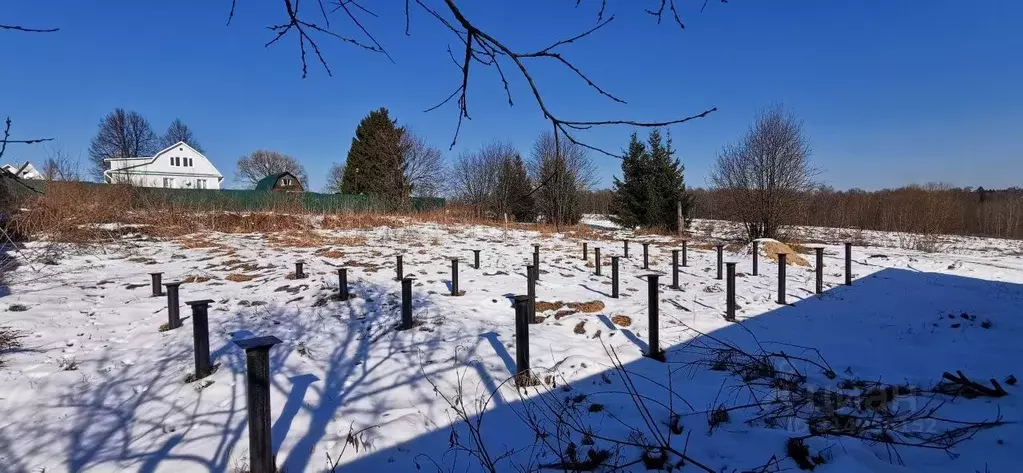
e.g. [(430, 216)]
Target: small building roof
[(267, 183)]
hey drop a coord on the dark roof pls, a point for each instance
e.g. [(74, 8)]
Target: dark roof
[(267, 183)]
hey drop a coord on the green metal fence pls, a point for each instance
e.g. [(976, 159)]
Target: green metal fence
[(234, 200)]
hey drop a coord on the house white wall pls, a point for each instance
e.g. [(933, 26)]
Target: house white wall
[(178, 167)]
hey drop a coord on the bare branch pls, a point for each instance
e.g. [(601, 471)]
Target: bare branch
[(28, 30)]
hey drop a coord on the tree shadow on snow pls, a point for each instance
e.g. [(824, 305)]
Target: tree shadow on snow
[(897, 325)]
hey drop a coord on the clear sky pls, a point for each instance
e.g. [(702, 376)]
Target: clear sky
[(892, 92)]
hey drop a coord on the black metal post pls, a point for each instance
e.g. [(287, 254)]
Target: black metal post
[(646, 255), (674, 269), (299, 274), (342, 275), (596, 260), (685, 254), (586, 252), (730, 293), (406, 303), (756, 258), (626, 247), (848, 264), (654, 350), (521, 337), (781, 278), (257, 397), (614, 277), (454, 276), (536, 261), (531, 292), (820, 270), (157, 286), (721, 259), (476, 258), (173, 316), (399, 271), (201, 336)]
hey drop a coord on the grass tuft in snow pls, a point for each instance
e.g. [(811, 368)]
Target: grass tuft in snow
[(10, 339), (67, 364)]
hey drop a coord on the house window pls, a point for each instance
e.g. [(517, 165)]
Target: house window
[(200, 183), (168, 182), (286, 181), (189, 162)]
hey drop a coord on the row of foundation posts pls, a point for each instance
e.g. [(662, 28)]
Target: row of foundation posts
[(257, 349)]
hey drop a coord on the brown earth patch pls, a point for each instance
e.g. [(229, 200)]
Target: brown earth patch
[(621, 320), (563, 313), (580, 328), (543, 306), (590, 307), (238, 277)]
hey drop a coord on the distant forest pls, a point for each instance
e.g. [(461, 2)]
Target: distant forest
[(927, 209)]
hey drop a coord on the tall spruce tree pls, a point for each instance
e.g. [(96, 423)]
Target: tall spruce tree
[(375, 164), (667, 185), (652, 185), (631, 196)]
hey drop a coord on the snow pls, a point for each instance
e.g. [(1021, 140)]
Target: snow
[(343, 367)]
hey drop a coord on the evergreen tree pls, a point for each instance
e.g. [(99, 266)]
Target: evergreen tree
[(667, 185), (375, 164), (513, 190), (631, 196), (652, 185)]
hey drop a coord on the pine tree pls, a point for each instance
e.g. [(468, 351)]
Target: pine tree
[(375, 164), (631, 196)]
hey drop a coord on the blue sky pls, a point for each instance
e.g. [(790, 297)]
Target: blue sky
[(891, 92)]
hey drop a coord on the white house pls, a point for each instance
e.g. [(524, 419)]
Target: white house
[(25, 171), (179, 167)]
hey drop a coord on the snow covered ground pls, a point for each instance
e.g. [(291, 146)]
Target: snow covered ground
[(98, 387)]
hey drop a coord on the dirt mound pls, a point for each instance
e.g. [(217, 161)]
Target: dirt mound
[(770, 249)]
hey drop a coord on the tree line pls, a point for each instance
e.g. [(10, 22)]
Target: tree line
[(925, 209)]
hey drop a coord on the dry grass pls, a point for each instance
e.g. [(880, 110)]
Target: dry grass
[(358, 221), (329, 253), (295, 239), (197, 278), (357, 240), (239, 277)]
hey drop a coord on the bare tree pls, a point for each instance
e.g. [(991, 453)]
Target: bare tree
[(177, 132), (334, 178), (262, 163), (424, 169), (562, 171), (474, 176), (763, 175), (122, 134), (59, 165)]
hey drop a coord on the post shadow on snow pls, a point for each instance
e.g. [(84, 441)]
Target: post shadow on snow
[(495, 343), (588, 288), (131, 434), (892, 297)]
